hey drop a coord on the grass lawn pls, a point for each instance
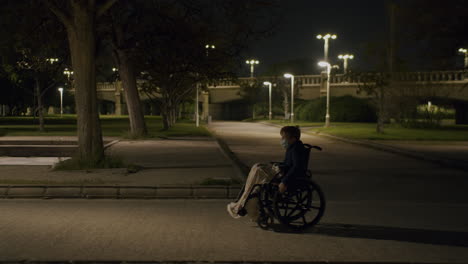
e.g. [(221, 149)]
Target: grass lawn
[(391, 132), (395, 132), (117, 126)]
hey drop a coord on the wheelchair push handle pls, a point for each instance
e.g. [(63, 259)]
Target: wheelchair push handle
[(313, 147)]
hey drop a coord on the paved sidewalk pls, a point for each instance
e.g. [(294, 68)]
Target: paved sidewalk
[(172, 161)]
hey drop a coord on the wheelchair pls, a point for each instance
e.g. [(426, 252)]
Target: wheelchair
[(300, 207)]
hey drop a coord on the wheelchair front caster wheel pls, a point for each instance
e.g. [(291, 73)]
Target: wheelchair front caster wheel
[(264, 222)]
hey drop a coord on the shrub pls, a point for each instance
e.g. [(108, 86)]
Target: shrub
[(342, 109)]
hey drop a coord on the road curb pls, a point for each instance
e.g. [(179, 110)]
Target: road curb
[(407, 153), (119, 192), (241, 168), (383, 147)]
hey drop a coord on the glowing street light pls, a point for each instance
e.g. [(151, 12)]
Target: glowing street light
[(269, 93), (464, 51), (327, 115), (115, 69), (252, 64), (68, 73), (345, 58), (326, 38), (52, 60), (60, 89), (208, 47), (290, 76)]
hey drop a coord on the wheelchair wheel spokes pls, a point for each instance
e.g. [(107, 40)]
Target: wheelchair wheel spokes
[(306, 206)]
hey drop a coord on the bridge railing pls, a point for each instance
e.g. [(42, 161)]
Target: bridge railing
[(316, 80), (433, 76)]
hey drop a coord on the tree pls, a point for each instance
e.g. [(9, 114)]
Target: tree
[(180, 30), (377, 86), (124, 31), (79, 18), (26, 62), (252, 91), (433, 44), (45, 72)]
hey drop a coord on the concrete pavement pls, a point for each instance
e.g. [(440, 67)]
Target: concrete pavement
[(171, 161), (202, 230)]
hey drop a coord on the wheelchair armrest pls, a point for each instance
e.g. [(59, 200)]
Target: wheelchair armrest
[(276, 162)]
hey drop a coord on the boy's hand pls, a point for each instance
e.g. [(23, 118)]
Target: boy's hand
[(282, 187)]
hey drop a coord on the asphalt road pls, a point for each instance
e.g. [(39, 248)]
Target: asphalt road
[(349, 172), (381, 207), (168, 230)]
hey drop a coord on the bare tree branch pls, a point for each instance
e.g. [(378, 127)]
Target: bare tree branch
[(104, 7), (62, 16)]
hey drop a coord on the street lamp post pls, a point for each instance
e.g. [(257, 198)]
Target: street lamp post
[(327, 115), (208, 47), (61, 101), (269, 98), (326, 38), (68, 73), (345, 58), (52, 60), (197, 115), (252, 64), (464, 51), (290, 76)]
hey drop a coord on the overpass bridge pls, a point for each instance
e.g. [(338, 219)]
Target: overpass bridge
[(222, 100)]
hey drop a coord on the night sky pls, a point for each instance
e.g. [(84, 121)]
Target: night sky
[(355, 23)]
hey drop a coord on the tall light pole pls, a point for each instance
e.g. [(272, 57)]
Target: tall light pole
[(290, 76), (68, 73), (60, 89), (326, 38), (327, 115), (208, 47), (252, 64), (464, 51), (269, 98), (345, 58), (52, 60)]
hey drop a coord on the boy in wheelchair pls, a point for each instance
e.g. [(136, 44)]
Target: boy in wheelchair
[(294, 166)]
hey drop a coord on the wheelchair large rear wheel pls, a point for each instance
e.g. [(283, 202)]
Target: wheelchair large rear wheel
[(301, 207)]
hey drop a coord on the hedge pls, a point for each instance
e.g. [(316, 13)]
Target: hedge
[(342, 109)]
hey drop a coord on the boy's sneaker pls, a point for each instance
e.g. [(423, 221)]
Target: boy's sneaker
[(232, 211), (242, 212)]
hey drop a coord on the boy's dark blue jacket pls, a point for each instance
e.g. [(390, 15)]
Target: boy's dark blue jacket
[(295, 162)]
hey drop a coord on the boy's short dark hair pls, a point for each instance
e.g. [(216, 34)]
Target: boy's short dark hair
[(291, 131)]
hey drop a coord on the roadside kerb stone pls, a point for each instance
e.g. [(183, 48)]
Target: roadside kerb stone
[(394, 150), (120, 192), (241, 168), (411, 154)]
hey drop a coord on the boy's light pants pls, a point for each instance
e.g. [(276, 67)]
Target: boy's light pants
[(259, 174)]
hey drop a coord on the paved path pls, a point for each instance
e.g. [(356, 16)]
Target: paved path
[(172, 161), (350, 172), (202, 230)]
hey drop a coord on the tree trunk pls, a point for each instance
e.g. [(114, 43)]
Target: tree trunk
[(381, 113), (165, 118), (82, 46), (39, 105), (135, 113)]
